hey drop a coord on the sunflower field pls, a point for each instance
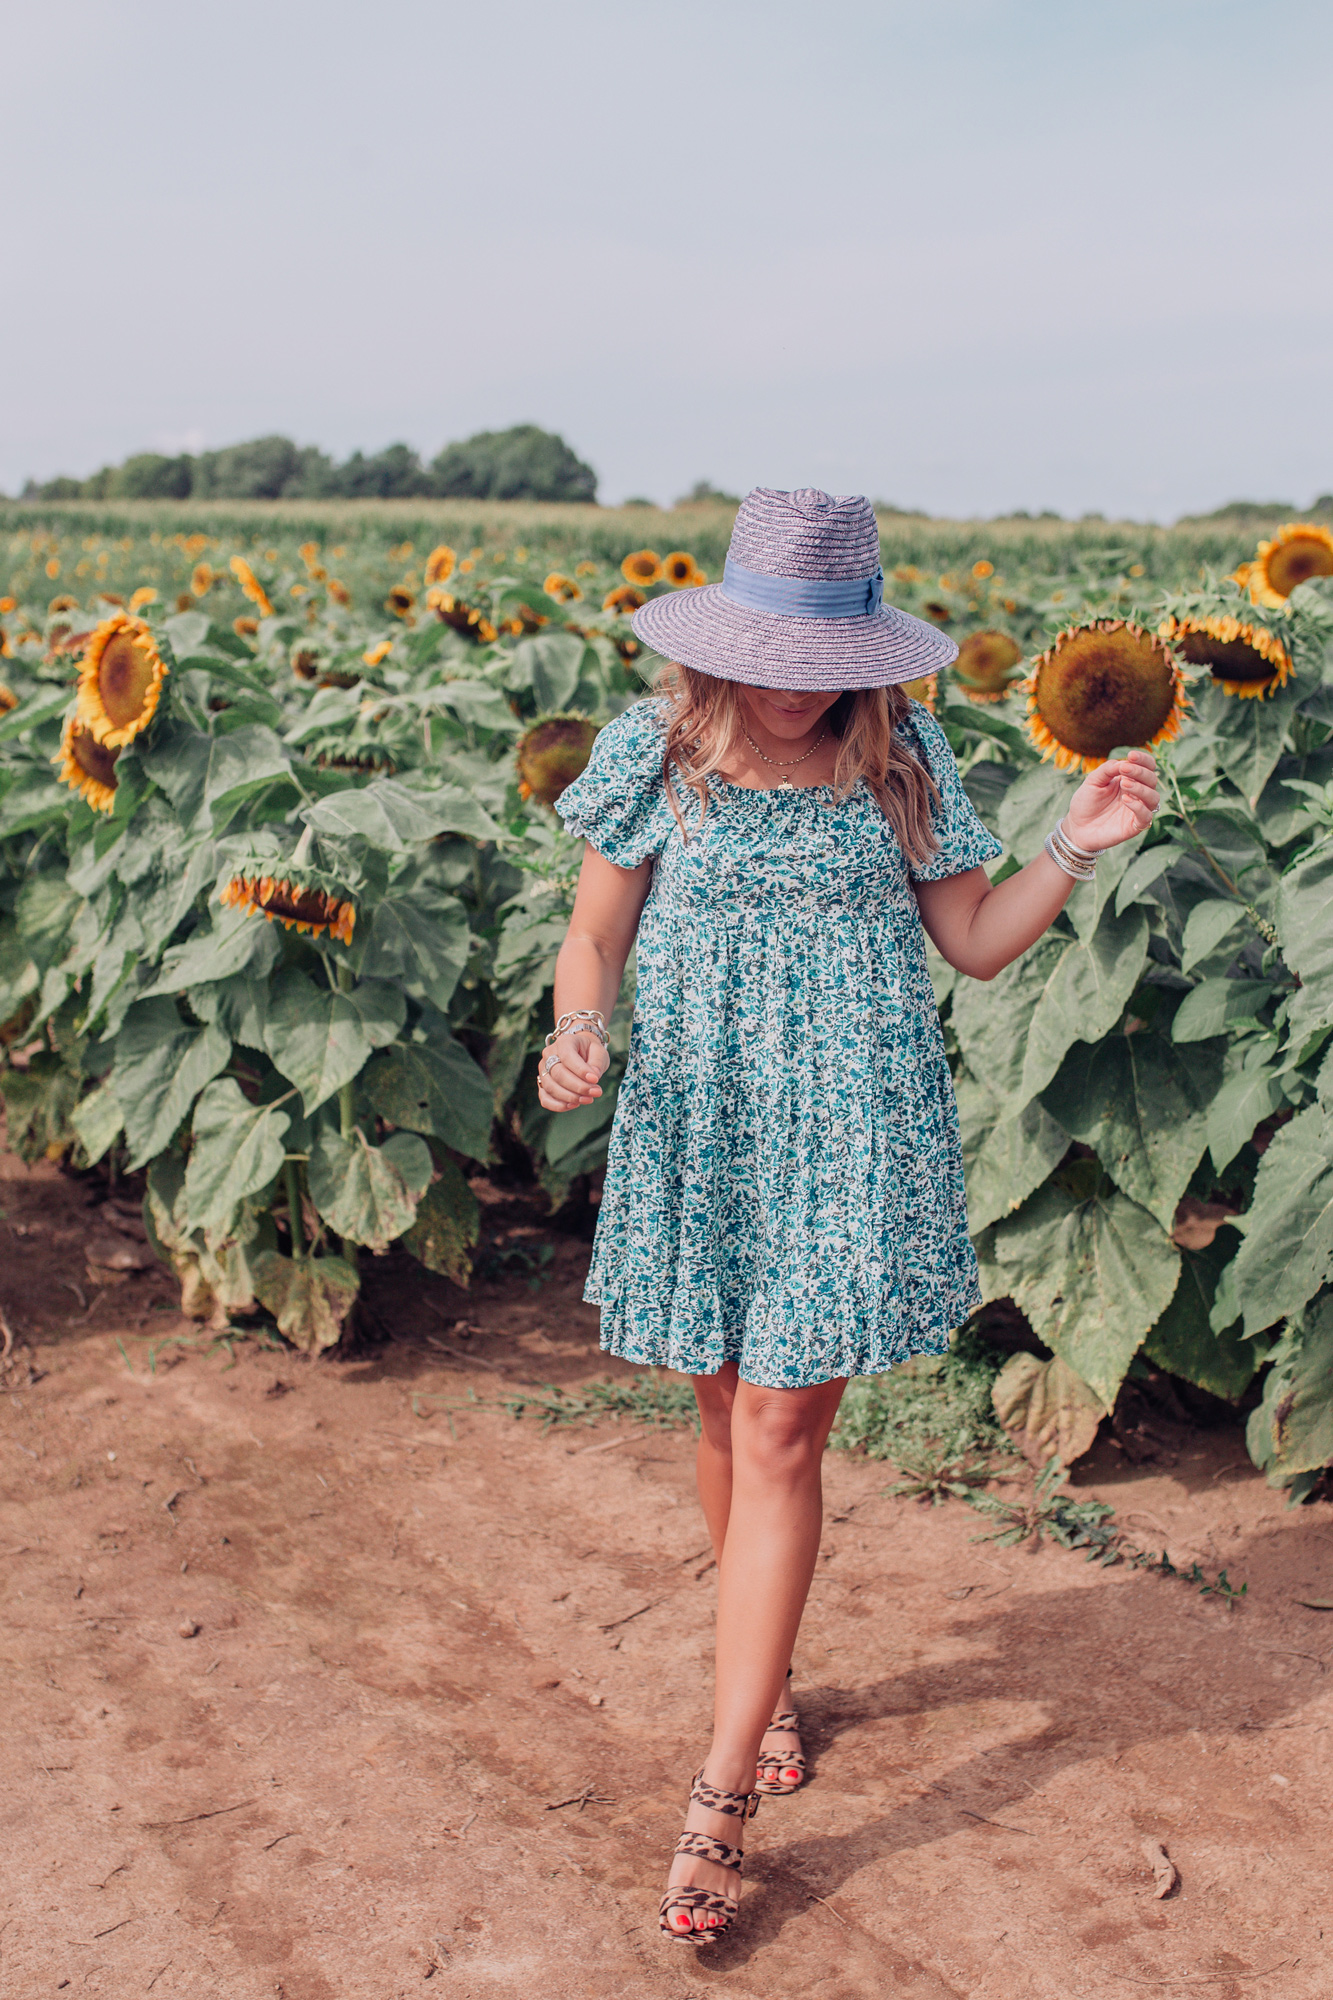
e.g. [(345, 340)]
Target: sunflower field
[(281, 890)]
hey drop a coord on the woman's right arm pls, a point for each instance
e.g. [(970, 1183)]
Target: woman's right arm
[(588, 972)]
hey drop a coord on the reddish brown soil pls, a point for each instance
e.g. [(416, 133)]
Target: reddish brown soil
[(413, 1629)]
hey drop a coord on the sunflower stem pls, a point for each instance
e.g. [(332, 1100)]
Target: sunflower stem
[(1261, 923), (292, 1176), (346, 1112)]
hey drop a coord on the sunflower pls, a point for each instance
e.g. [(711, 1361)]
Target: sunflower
[(1296, 553), (87, 765), (375, 654), (245, 628), (629, 650), (1101, 685), (203, 579), (8, 604), (145, 594), (120, 683), (524, 619), (551, 754), (1243, 657), (981, 570), (562, 588), (440, 564), (985, 665), (339, 591), (8, 699), (460, 617), (926, 690), (194, 545), (301, 899), (305, 663), (643, 567), (251, 585), (401, 601), (623, 599), (62, 604), (681, 570)]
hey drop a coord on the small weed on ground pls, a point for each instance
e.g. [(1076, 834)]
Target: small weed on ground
[(934, 1412)]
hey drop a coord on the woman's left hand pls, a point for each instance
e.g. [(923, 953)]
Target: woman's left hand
[(1114, 802)]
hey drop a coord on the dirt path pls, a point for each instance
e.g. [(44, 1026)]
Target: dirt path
[(412, 1631)]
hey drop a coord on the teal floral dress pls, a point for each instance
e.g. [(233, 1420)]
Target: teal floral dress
[(784, 1187)]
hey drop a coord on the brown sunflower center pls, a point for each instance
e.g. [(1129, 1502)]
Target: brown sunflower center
[(124, 678), (93, 757), (1295, 562), (1105, 689), (1229, 659), (303, 906), (986, 657), (553, 754)]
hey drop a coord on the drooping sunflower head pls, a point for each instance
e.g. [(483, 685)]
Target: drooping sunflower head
[(629, 651), (440, 564), (681, 570), (245, 628), (1296, 553), (462, 618), (8, 699), (926, 690), (87, 766), (120, 683), (338, 591), (203, 579), (551, 754), (985, 665), (297, 897), (62, 603), (1243, 656), (522, 619), (562, 588), (1099, 687), (401, 601), (623, 599), (305, 662), (251, 586), (642, 566)]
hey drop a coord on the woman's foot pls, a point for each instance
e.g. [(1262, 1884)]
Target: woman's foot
[(781, 1757), (703, 1888)]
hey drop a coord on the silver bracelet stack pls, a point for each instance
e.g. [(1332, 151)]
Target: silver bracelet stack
[(1080, 862), (588, 1019)]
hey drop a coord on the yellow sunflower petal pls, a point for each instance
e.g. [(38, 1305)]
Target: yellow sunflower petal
[(120, 683)]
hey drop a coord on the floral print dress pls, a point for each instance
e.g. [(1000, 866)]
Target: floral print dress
[(784, 1187)]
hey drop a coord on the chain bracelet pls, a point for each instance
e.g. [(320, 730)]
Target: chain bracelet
[(587, 1019)]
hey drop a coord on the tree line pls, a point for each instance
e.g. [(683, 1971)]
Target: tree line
[(522, 463)]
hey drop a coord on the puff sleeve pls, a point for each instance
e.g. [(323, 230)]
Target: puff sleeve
[(619, 804), (964, 841)]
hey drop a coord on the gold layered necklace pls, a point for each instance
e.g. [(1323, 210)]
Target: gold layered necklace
[(784, 764)]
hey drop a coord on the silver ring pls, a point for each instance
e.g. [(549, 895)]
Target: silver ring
[(551, 1062)]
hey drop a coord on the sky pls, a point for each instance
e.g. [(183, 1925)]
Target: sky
[(963, 255)]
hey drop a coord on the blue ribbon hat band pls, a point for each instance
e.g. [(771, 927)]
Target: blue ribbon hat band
[(802, 597)]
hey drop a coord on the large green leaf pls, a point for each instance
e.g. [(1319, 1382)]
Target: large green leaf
[(39, 1105), (446, 1225), (391, 816), (238, 1149), (572, 1128), (1016, 1029), (1143, 1108), (1031, 807), (1093, 1274), (1304, 919), (1292, 1430), (421, 938), (43, 912), (1245, 1099), (482, 706), (1005, 1157), (1183, 1340), (1250, 736), (321, 1039), (208, 777), (1047, 1408), (161, 1066), (359, 1191), (436, 1089), (236, 941), (1206, 926), (310, 1298), (98, 1119), (553, 661), (1288, 1249), (1215, 1006)]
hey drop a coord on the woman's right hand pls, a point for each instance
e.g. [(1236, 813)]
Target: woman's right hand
[(579, 1061)]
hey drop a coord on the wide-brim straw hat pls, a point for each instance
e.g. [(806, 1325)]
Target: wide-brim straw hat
[(800, 604)]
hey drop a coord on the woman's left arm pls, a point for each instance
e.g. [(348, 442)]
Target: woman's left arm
[(981, 927)]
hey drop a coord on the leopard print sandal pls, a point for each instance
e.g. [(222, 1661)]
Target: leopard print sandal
[(788, 1723), (718, 1911)]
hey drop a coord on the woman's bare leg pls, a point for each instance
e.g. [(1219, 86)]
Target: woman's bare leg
[(770, 1542), (715, 1395)]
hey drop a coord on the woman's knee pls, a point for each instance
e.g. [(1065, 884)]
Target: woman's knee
[(715, 1396), (779, 1432)]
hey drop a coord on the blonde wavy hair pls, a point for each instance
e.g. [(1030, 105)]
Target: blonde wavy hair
[(704, 719)]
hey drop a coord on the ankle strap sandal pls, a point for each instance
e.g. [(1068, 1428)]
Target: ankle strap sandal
[(788, 1721), (688, 1901)]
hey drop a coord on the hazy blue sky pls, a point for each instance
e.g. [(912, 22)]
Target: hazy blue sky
[(966, 254)]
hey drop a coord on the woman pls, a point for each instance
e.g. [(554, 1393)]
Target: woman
[(783, 1205)]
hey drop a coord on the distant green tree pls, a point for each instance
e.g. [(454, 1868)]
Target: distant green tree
[(396, 473), (61, 488), (149, 475), (524, 463), (703, 491), (257, 470)]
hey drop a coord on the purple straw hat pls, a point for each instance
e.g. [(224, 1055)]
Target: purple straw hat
[(800, 604)]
